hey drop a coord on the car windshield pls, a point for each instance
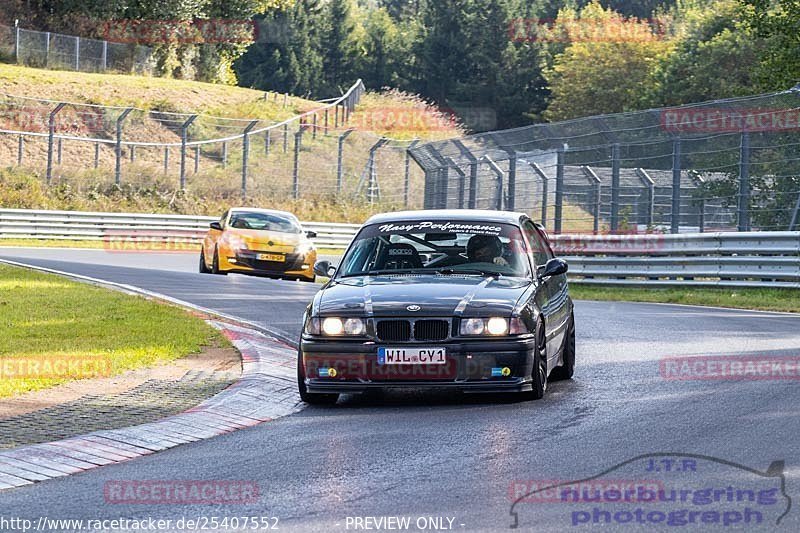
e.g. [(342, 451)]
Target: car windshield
[(438, 248), (264, 222)]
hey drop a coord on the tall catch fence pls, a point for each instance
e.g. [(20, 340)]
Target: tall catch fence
[(313, 154), (723, 165), (42, 49)]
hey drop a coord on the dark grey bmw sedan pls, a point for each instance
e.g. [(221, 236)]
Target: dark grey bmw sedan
[(469, 300)]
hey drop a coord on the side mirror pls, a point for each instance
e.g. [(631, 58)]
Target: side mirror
[(324, 269), (311, 234), (554, 267), (215, 225)]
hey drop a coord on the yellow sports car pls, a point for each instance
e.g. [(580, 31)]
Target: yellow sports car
[(261, 242)]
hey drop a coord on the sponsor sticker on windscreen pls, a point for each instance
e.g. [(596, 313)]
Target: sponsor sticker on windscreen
[(412, 356)]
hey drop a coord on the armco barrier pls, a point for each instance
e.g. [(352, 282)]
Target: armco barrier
[(754, 259), (76, 225)]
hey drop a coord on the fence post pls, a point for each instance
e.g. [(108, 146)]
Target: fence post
[(77, 53), (196, 158), (500, 177), (166, 160), (133, 153), (596, 184), (407, 180), (314, 131), (512, 181), (118, 147), (462, 184), (285, 138), (47, 50), (20, 149), (16, 40), (184, 135), (336, 116), (559, 207), (545, 193), (340, 161), (744, 183), (373, 188), (96, 155), (105, 55), (795, 214), (650, 185), (326, 120), (615, 164), (246, 154), (267, 142), (675, 222), (50, 136), (298, 141), (224, 154), (473, 173), (59, 151)]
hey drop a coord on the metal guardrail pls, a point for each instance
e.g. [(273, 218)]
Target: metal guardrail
[(134, 227), (755, 259)]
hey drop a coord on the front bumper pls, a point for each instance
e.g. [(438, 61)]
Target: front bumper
[(295, 265), (472, 366)]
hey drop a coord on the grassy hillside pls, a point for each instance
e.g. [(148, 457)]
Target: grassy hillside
[(149, 184)]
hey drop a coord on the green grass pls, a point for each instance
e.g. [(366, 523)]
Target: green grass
[(759, 299), (47, 318)]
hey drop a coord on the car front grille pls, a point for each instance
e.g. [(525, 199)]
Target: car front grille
[(431, 330), (407, 330), (394, 330)]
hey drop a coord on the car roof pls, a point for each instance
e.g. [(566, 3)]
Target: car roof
[(479, 215), (259, 210)]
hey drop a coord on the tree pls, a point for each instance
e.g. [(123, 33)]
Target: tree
[(779, 22), (716, 56), (339, 48), (606, 67)]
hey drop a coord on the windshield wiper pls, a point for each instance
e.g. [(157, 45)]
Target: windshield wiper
[(388, 271), (468, 271)]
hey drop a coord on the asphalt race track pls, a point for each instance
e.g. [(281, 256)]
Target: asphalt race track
[(435, 455)]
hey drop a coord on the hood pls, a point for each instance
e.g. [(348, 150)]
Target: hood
[(260, 240), (470, 296)]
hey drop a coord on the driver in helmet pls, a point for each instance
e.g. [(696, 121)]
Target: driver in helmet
[(486, 249)]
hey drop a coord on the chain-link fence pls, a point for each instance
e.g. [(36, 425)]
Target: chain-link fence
[(67, 52), (313, 155), (724, 165)]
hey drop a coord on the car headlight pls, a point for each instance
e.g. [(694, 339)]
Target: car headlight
[(494, 326), (304, 249), (336, 327)]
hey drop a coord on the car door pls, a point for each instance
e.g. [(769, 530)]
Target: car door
[(552, 288)]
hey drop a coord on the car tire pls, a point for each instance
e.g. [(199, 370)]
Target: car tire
[(567, 368), (203, 268), (215, 265), (309, 397), (539, 370)]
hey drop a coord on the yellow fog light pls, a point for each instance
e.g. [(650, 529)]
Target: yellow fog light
[(506, 372), (332, 372)]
